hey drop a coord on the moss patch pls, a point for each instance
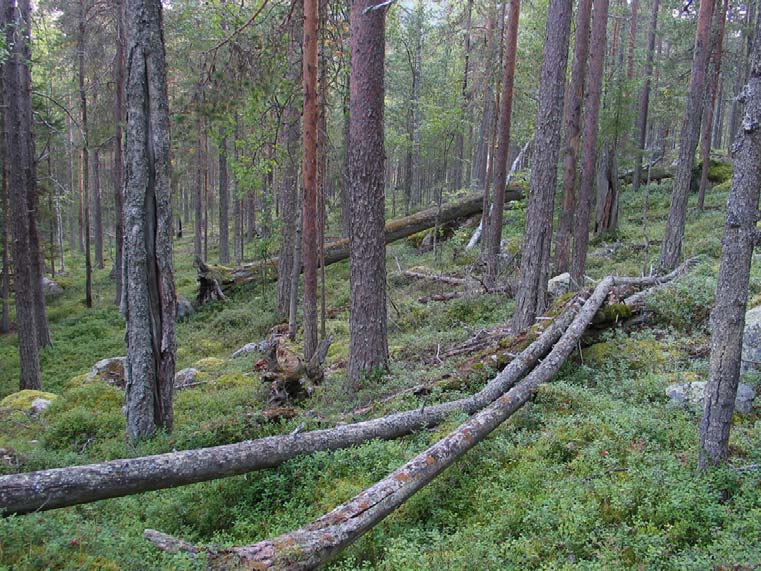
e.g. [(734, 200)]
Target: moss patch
[(637, 354), (23, 400)]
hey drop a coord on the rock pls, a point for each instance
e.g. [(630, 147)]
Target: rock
[(184, 307), (693, 394), (110, 371), (25, 400), (249, 348), (186, 377), (51, 288), (559, 285), (751, 349), (40, 405)]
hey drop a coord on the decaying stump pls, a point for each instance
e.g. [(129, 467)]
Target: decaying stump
[(290, 378)]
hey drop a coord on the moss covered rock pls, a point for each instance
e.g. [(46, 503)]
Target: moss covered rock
[(209, 364), (25, 400), (637, 354)]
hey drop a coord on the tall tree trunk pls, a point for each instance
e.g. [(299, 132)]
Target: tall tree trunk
[(574, 101), (237, 210), (741, 73), (632, 40), (224, 202), (368, 343), (149, 300), (84, 167), (714, 74), (118, 170), (644, 98), (5, 277), (199, 188), (289, 187), (309, 204), (671, 248), (505, 121), (589, 148), (459, 143), (740, 237), (535, 256), (18, 123)]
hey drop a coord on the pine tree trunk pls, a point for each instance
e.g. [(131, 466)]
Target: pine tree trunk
[(505, 121), (5, 277), (84, 167), (309, 204), (671, 248), (224, 203), (740, 237), (97, 211), (644, 98), (589, 147), (368, 343), (535, 256), (574, 102), (199, 189), (18, 124), (149, 300), (118, 170)]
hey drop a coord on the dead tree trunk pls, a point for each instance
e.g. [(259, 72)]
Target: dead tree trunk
[(608, 187), (148, 301), (740, 237), (671, 248), (218, 279), (535, 256), (324, 538)]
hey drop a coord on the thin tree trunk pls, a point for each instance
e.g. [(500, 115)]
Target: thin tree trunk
[(505, 121), (118, 170), (224, 202), (535, 256), (574, 102), (237, 211), (740, 237), (97, 212), (589, 148), (309, 204), (459, 143), (632, 40), (84, 181), (644, 98), (149, 300), (714, 74), (368, 343), (200, 176), (671, 248)]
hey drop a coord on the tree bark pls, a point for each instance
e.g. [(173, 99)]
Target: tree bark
[(608, 187), (644, 98), (5, 277), (632, 40), (535, 255), (18, 124), (84, 154), (309, 204), (149, 301), (714, 74), (118, 170), (368, 343), (224, 202), (505, 121), (97, 211), (671, 247), (740, 237), (574, 101), (199, 183), (589, 148)]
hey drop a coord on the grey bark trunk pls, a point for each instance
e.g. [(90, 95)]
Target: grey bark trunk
[(740, 237), (149, 300), (224, 203)]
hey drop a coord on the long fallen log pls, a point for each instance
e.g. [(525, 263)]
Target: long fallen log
[(215, 282), (60, 487), (324, 538)]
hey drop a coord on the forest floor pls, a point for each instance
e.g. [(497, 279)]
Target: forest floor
[(597, 472)]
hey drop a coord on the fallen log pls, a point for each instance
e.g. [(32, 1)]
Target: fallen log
[(215, 282), (60, 487), (449, 296), (449, 280), (324, 538)]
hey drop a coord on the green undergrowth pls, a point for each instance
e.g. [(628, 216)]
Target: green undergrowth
[(596, 473)]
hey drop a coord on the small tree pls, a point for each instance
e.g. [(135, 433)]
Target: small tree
[(740, 236)]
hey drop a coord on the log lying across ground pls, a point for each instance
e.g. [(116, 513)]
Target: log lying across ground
[(214, 282), (321, 540), (61, 487)]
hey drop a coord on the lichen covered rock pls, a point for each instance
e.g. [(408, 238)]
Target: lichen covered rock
[(693, 394), (28, 401), (110, 371)]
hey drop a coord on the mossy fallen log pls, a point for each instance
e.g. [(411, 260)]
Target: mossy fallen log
[(215, 281)]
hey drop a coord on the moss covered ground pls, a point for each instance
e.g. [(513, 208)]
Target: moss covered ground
[(597, 472)]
